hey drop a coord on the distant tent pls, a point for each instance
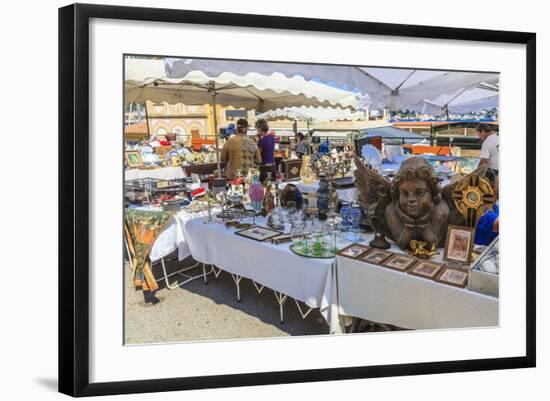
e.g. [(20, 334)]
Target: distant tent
[(392, 133)]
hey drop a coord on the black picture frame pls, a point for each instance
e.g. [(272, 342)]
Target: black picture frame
[(244, 233), (74, 202)]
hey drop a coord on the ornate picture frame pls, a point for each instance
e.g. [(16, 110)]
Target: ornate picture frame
[(133, 159), (353, 251), (399, 262), (459, 244)]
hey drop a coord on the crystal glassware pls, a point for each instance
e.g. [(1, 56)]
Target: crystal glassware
[(297, 236)]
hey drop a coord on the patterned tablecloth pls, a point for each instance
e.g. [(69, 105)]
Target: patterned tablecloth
[(142, 229)]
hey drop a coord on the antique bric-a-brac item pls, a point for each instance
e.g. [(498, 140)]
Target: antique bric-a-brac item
[(422, 249), (413, 205), (323, 197), (472, 197), (291, 197)]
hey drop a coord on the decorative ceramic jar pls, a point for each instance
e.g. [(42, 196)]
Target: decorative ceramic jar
[(291, 197), (323, 197), (256, 193)]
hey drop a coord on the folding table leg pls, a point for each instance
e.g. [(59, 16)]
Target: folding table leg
[(181, 273), (204, 273), (258, 287), (304, 315), (281, 299), (216, 272), (237, 280)]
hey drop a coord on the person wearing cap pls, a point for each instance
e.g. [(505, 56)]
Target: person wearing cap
[(230, 130), (266, 144), (240, 152), (489, 154)]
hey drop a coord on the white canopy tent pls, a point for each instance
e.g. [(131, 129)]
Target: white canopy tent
[(387, 87), (145, 79), (479, 98), (285, 114), (311, 114)]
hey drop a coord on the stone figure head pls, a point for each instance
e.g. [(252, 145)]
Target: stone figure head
[(415, 187)]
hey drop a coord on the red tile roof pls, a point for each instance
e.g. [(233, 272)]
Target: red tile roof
[(139, 128)]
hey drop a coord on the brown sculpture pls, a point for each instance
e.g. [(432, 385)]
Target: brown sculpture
[(408, 208)]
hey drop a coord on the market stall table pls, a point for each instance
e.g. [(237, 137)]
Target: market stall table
[(383, 295), (274, 266), (161, 173)]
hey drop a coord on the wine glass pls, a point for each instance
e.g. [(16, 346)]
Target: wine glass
[(306, 237), (297, 235)]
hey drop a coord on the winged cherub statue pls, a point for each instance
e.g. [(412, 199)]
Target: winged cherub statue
[(409, 207)]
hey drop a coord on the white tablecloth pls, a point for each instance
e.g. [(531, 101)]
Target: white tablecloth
[(346, 195), (383, 295), (162, 173), (275, 266), (173, 237)]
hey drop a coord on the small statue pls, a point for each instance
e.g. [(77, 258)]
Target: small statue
[(421, 249), (409, 208), (268, 203), (306, 172)]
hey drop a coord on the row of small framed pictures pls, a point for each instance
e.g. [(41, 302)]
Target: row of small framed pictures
[(407, 264)]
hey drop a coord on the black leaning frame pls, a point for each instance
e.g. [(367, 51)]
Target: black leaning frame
[(74, 201)]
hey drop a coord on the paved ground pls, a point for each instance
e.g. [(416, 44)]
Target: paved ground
[(197, 311)]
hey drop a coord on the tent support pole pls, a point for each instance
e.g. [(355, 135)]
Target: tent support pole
[(308, 150), (448, 123), (215, 115)]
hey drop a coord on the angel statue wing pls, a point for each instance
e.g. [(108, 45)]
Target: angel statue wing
[(374, 192), (469, 197)]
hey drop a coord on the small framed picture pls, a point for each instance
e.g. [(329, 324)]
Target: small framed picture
[(459, 244), (353, 251), (376, 256), (453, 276), (133, 158), (258, 233), (426, 269), (400, 262)]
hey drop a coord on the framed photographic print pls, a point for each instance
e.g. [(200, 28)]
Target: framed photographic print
[(400, 262), (452, 276), (258, 233), (133, 158), (375, 256), (426, 269), (459, 244), (107, 78), (353, 251)]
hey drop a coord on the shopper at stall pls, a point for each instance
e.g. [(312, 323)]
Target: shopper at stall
[(489, 148), (240, 152), (488, 224), (301, 145), (266, 144)]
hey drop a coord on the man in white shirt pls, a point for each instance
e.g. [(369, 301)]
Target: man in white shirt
[(489, 148)]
